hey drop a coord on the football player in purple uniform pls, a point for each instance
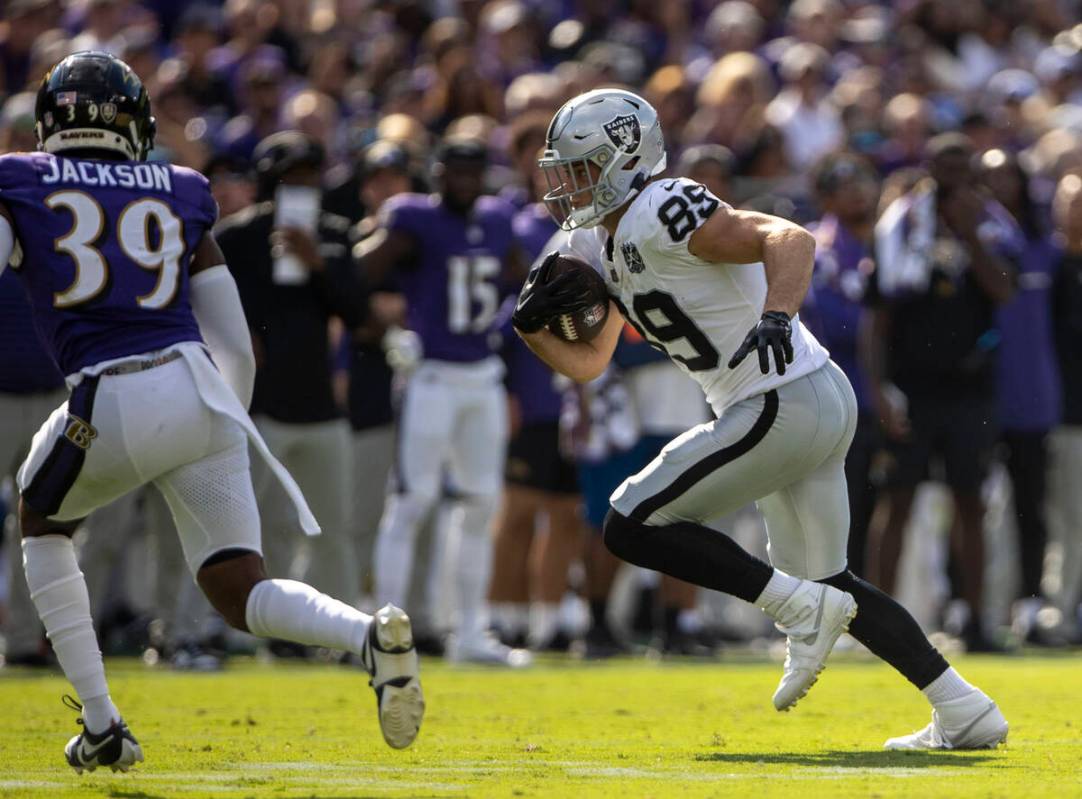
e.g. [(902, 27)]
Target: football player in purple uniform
[(449, 253), (133, 295)]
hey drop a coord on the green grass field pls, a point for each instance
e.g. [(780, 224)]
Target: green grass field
[(623, 729)]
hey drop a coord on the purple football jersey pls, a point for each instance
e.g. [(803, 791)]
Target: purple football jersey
[(106, 247), (456, 287), (534, 227)]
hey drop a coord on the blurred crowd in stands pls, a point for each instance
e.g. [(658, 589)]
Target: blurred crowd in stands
[(934, 148)]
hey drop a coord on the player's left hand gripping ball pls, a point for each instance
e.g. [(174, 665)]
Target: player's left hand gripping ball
[(542, 299), (774, 332)]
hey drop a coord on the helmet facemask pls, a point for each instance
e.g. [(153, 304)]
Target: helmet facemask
[(575, 199)]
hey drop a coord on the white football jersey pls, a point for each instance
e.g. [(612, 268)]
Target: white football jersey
[(696, 311)]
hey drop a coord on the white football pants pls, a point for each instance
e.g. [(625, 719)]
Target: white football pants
[(119, 432), (784, 450), (453, 427)]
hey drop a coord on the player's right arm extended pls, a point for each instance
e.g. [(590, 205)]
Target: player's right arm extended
[(218, 310), (582, 361)]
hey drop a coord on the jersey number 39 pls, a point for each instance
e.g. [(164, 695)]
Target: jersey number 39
[(133, 236)]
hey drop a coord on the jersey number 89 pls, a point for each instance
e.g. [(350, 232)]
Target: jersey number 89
[(133, 236), (678, 214)]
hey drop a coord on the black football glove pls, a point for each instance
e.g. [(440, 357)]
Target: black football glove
[(540, 300), (774, 332)]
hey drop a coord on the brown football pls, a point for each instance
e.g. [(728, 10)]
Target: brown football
[(586, 324)]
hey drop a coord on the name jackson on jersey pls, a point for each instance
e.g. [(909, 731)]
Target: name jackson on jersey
[(105, 173)]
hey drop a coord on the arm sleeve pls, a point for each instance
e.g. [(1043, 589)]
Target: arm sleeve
[(7, 243), (217, 308)]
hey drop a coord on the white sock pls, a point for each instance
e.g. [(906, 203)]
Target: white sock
[(544, 619), (947, 686), (59, 593), (297, 612), (779, 589)]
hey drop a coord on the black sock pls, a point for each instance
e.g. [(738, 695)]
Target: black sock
[(689, 551), (887, 629)]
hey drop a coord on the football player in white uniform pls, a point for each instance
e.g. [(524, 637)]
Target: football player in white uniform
[(710, 285)]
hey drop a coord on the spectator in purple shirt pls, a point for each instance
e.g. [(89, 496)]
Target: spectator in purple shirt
[(1027, 378), (847, 188)]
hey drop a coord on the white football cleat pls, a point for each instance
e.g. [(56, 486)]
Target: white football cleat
[(815, 614), (116, 748), (972, 722), (391, 659), (486, 650)]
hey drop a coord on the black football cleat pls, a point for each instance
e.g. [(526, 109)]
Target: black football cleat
[(115, 748), (391, 659)]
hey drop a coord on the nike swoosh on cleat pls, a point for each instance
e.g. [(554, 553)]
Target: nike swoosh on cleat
[(811, 639), (85, 752)]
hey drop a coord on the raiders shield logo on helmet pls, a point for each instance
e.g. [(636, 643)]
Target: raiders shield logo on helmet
[(624, 132)]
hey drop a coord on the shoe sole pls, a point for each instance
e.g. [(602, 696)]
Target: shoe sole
[(401, 706), (849, 613), (1000, 738)]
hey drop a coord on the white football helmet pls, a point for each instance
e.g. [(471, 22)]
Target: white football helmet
[(615, 131)]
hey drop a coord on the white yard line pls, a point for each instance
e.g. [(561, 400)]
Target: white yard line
[(294, 775)]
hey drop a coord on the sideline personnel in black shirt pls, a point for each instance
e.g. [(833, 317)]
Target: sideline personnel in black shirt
[(941, 272), (293, 270)]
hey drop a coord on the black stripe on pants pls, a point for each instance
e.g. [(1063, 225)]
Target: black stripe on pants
[(711, 463)]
